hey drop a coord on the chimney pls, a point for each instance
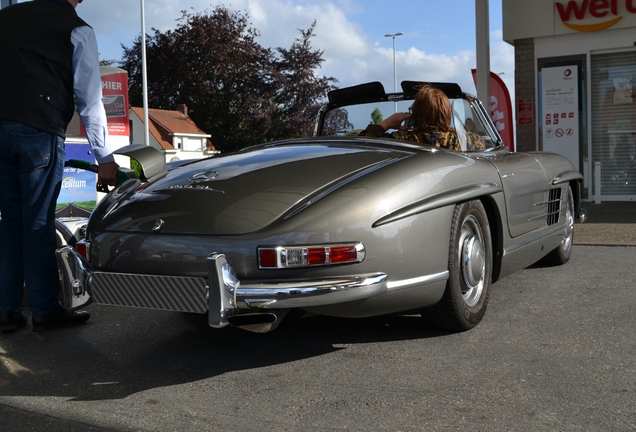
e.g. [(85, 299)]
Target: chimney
[(183, 109)]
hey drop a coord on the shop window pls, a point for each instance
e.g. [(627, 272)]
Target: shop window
[(614, 122)]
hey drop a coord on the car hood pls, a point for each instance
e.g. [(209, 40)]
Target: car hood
[(238, 193)]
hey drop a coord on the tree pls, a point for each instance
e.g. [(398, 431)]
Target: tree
[(376, 116), (104, 62), (299, 88), (236, 90), (337, 122), (212, 63)]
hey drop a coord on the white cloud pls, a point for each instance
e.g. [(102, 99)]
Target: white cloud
[(351, 53)]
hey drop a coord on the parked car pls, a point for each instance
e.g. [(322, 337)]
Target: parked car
[(338, 225)]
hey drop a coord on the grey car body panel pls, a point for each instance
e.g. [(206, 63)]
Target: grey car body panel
[(396, 198), (242, 192)]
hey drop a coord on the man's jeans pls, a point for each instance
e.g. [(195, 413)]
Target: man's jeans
[(31, 170)]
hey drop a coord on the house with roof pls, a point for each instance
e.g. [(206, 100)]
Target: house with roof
[(172, 132)]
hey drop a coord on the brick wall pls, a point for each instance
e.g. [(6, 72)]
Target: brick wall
[(525, 89)]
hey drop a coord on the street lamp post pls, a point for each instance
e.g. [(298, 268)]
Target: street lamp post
[(144, 74), (394, 66)]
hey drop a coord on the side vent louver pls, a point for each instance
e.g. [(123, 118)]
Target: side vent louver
[(554, 206)]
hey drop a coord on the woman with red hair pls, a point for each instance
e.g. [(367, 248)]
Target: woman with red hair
[(431, 113)]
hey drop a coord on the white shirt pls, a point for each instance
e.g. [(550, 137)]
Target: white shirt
[(87, 84)]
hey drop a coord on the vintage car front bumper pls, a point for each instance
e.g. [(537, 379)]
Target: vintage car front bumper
[(255, 306)]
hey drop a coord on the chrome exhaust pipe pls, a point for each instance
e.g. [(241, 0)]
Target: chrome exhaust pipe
[(258, 322)]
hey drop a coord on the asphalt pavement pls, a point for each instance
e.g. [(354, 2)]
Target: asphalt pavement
[(555, 351), (608, 224)]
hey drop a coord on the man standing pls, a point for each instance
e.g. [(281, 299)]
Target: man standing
[(49, 63)]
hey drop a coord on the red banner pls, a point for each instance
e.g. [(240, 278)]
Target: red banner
[(115, 97), (500, 109)]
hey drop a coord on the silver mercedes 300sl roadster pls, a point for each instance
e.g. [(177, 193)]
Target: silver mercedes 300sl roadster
[(338, 225)]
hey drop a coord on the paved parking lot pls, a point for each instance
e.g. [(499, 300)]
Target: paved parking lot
[(555, 351), (609, 223)]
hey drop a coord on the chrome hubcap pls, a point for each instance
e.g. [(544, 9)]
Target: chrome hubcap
[(473, 260), (566, 243)]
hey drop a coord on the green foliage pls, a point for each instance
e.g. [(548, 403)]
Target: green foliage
[(88, 205), (104, 62), (376, 116), (136, 167)]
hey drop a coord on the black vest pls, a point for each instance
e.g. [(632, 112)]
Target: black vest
[(36, 56)]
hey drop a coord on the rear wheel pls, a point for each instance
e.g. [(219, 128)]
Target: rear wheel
[(562, 253), (464, 302)]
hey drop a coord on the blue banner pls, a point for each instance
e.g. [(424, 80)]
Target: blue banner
[(78, 185)]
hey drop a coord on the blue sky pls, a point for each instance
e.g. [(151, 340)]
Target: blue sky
[(438, 42)]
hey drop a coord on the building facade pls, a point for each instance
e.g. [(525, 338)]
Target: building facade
[(172, 132), (575, 68)]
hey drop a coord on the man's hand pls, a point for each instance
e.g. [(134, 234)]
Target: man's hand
[(107, 174)]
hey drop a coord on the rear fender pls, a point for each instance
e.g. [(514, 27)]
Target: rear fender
[(494, 205), (465, 193)]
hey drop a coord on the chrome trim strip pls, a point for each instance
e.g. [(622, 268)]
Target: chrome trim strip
[(566, 177), (536, 239), (407, 283), (309, 293), (541, 216), (443, 199), (337, 184)]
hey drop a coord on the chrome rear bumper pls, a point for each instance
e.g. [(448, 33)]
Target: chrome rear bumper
[(222, 295)]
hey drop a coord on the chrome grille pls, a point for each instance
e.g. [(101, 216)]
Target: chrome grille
[(554, 206), (170, 293)]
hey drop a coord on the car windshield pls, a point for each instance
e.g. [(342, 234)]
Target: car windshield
[(468, 121)]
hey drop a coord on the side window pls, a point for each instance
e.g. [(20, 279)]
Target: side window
[(470, 130), (459, 119)]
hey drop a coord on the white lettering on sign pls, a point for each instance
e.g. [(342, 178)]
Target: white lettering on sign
[(111, 85), (71, 182), (496, 116)]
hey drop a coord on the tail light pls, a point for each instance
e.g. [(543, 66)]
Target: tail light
[(142, 186), (308, 256), (83, 248)]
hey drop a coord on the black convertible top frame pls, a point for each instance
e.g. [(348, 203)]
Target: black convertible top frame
[(374, 92)]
